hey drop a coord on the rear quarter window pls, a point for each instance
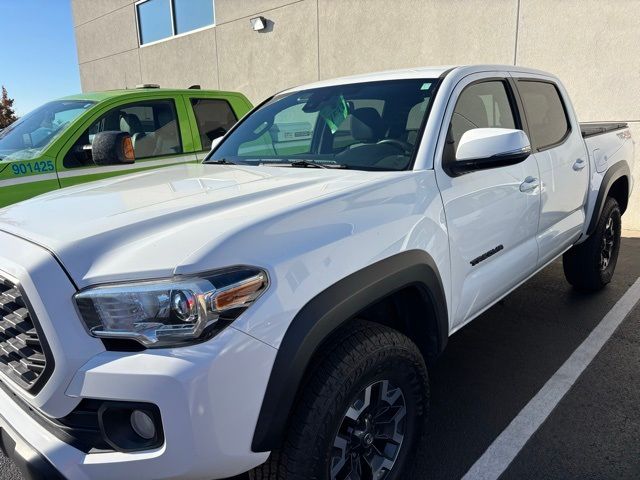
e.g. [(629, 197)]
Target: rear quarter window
[(545, 112)]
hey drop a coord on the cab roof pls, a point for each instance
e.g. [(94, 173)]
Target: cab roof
[(415, 73), (138, 92)]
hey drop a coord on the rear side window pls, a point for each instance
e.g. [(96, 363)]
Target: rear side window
[(153, 126), (480, 105), (214, 119), (546, 114)]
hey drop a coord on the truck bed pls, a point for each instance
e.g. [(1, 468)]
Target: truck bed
[(591, 129)]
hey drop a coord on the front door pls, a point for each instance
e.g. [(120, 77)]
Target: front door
[(160, 137), (491, 215)]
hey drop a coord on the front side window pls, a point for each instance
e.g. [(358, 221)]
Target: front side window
[(545, 112), (160, 19), (480, 105), (367, 126), (213, 118), (26, 138), (153, 126)]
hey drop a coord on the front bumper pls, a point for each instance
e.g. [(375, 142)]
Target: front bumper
[(30, 463), (209, 396)]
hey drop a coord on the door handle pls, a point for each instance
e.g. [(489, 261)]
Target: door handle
[(529, 184), (579, 164)]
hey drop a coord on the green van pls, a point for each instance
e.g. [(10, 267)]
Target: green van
[(52, 147)]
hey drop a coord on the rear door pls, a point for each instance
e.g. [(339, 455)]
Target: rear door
[(159, 129), (211, 118), (562, 160), (491, 215)]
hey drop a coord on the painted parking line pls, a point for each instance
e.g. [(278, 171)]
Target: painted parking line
[(508, 444)]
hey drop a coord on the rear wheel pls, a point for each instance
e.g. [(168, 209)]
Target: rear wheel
[(361, 414), (590, 265)]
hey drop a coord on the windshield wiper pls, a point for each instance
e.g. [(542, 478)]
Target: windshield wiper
[(303, 164), (222, 161)]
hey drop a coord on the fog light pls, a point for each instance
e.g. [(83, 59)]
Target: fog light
[(130, 426), (143, 424)]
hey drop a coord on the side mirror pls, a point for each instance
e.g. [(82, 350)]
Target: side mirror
[(112, 148), (215, 142), (484, 148)]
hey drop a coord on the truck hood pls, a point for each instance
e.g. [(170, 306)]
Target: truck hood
[(164, 222)]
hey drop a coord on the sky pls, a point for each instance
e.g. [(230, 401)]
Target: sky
[(38, 58)]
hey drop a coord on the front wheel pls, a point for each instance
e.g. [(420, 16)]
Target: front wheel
[(590, 265), (361, 414)]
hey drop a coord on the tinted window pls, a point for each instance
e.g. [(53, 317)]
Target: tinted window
[(192, 14), (481, 105), (545, 112), (154, 20), (153, 127), (369, 126), (214, 119)]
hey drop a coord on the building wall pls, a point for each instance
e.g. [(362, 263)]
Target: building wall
[(590, 44)]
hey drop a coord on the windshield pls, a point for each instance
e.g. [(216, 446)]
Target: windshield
[(29, 136), (366, 126)]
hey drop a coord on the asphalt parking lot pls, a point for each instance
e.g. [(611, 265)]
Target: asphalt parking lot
[(493, 367)]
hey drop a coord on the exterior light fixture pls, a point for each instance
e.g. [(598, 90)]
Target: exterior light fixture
[(258, 23)]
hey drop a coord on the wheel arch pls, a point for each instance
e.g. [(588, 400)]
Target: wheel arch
[(614, 184), (333, 308)]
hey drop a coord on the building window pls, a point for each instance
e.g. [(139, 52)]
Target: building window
[(192, 14), (161, 19)]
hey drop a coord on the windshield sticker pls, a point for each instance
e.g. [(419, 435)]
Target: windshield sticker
[(426, 86), (334, 112)]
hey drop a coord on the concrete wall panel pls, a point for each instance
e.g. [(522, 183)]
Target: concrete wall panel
[(108, 35), (631, 219), (86, 10), (358, 36), (115, 71), (182, 62), (260, 64), (229, 10), (591, 45)]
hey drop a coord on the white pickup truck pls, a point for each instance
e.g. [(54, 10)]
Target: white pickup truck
[(275, 309)]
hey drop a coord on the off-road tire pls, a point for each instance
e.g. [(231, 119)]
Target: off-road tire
[(362, 354), (583, 264)]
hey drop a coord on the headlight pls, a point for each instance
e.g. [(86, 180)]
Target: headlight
[(169, 312)]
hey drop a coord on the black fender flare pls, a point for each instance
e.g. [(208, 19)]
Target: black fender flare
[(325, 313), (615, 172)]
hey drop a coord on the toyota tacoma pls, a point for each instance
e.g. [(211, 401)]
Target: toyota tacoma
[(276, 308)]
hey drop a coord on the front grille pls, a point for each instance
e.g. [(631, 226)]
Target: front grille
[(22, 350)]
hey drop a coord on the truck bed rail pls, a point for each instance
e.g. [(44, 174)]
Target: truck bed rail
[(591, 129)]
